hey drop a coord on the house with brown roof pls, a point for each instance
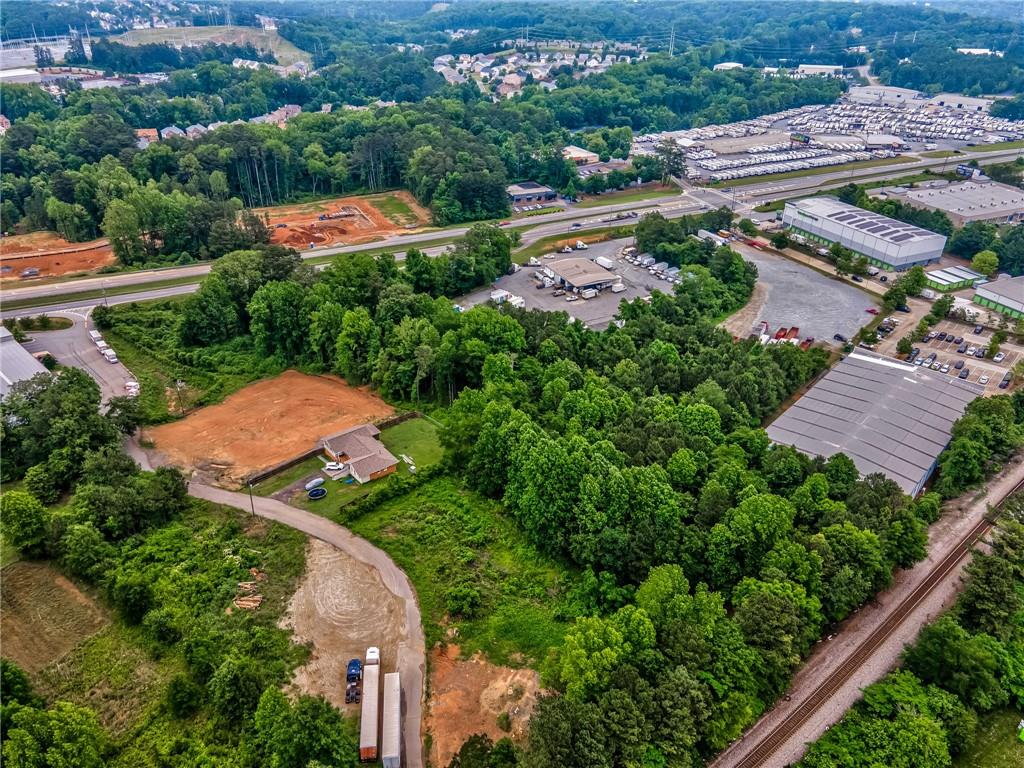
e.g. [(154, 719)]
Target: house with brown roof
[(361, 450), (146, 136)]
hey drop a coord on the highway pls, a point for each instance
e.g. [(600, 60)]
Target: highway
[(741, 198)]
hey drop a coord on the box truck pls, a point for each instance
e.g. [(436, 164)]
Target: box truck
[(618, 288), (588, 293), (368, 719), (602, 261), (391, 732)]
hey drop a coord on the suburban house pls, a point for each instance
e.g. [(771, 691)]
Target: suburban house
[(146, 136), (362, 451)]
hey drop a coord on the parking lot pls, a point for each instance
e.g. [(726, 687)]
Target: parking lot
[(597, 312), (961, 335)]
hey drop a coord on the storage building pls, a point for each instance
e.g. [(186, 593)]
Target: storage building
[(581, 273), (1005, 295), (971, 201), (16, 362), (886, 415), (887, 243), (952, 278), (579, 156)]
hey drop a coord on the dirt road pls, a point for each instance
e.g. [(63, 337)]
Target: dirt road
[(410, 648), (959, 517)]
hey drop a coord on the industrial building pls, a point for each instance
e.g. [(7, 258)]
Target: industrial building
[(886, 415), (887, 243), (578, 274), (727, 66), (967, 202), (528, 192), (1005, 295), (16, 362), (580, 156), (952, 278)]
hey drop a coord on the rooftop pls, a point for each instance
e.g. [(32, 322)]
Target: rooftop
[(581, 272), (874, 224), (953, 275), (1011, 288), (971, 198), (366, 454), (887, 416), (16, 362), (527, 187)]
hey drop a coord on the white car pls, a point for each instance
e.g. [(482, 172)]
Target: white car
[(334, 466), (983, 380), (999, 357)]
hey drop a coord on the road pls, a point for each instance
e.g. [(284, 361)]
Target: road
[(870, 642), (693, 200), (411, 649), (72, 346)]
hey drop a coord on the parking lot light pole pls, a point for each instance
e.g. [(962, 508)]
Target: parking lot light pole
[(252, 504)]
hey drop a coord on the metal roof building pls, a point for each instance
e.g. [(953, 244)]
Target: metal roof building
[(581, 273), (16, 362), (887, 243), (952, 278), (971, 201), (1004, 295), (887, 416)]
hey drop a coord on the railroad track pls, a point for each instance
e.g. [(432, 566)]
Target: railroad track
[(760, 754)]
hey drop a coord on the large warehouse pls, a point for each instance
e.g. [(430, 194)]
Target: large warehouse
[(887, 243), (1004, 295), (887, 416), (16, 362), (970, 201)]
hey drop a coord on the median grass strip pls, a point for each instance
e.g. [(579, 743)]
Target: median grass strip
[(996, 147), (98, 293)]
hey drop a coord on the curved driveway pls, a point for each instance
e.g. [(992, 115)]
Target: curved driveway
[(411, 649)]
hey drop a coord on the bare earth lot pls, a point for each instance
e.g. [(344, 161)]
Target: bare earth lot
[(51, 255), (265, 423), (44, 615), (353, 220), (340, 609), (466, 697)]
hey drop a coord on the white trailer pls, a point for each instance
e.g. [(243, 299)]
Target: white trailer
[(391, 732), (369, 717), (602, 261)]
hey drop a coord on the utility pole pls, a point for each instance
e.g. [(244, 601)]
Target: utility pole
[(672, 42), (252, 504)]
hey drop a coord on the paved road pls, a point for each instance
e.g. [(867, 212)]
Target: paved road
[(828, 657), (411, 649), (72, 346)]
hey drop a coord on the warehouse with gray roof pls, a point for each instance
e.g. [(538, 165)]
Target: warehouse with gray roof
[(1005, 295), (887, 416), (16, 362), (969, 201), (887, 243)]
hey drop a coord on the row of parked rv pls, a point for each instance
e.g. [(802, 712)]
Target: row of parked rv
[(721, 164), (797, 165)]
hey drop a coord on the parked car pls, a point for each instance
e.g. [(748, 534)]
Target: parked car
[(857, 278), (971, 350), (902, 308), (958, 340), (965, 373), (1000, 356), (944, 368), (978, 329), (571, 297), (959, 364), (962, 348), (840, 337), (980, 352), (936, 366), (334, 466), (941, 336), (872, 310)]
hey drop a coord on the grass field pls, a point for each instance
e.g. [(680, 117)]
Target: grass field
[(996, 147), (941, 153), (628, 196), (877, 163), (285, 52), (996, 743), (394, 208), (449, 540)]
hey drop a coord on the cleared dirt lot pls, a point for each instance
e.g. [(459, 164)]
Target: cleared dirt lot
[(350, 220), (51, 255), (263, 424), (341, 608), (466, 697), (43, 615)]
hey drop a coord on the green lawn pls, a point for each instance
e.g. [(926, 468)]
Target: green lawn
[(996, 147), (627, 196), (396, 209), (453, 542), (416, 438), (996, 743), (879, 162)]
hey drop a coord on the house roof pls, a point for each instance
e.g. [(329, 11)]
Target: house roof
[(366, 454)]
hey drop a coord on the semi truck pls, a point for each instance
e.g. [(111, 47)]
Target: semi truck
[(391, 732), (369, 717)]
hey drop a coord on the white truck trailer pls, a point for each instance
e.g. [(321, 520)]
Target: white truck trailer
[(369, 718), (391, 732)]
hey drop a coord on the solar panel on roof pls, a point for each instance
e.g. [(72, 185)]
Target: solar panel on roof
[(901, 238), (843, 216)]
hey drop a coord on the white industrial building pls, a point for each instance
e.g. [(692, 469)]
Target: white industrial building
[(887, 243), (967, 202), (1005, 295), (16, 362)]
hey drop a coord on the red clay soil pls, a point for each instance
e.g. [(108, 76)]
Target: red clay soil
[(466, 697), (51, 255), (355, 220), (265, 423)]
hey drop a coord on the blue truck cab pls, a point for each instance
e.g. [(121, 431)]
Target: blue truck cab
[(355, 671)]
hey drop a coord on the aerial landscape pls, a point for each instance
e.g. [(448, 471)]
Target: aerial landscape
[(512, 384)]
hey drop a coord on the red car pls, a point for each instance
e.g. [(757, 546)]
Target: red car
[(871, 311)]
